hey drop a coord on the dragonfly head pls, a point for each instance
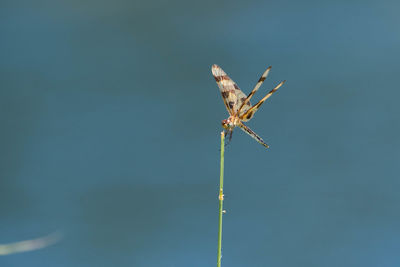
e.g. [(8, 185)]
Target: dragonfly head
[(227, 124), (230, 122)]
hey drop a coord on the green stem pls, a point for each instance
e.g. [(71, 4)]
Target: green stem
[(221, 198)]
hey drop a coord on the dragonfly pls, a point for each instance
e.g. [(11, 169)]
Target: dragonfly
[(238, 104)]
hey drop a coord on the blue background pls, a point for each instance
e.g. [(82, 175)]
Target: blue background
[(110, 122)]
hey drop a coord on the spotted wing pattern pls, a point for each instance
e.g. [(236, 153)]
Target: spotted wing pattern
[(253, 134), (260, 81), (250, 112), (231, 94)]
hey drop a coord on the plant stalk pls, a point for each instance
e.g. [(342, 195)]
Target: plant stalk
[(221, 198)]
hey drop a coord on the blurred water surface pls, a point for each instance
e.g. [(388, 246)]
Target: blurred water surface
[(110, 124)]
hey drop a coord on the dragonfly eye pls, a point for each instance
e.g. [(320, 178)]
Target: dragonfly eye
[(225, 124)]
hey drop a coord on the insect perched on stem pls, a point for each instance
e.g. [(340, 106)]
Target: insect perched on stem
[(237, 104)]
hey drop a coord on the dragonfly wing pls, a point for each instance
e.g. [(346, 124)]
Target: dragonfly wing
[(252, 134), (250, 112), (231, 94), (260, 81)]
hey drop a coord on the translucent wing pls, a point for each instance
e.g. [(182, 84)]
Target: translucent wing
[(29, 245), (260, 81), (231, 94), (245, 116), (252, 134)]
